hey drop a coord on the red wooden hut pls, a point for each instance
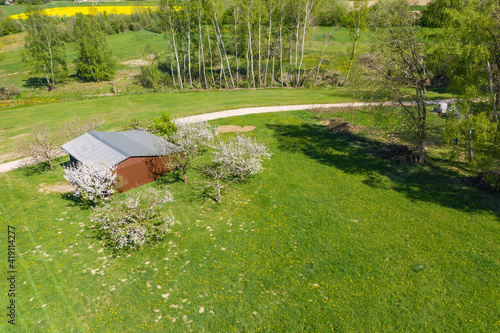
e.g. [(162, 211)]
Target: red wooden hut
[(139, 156)]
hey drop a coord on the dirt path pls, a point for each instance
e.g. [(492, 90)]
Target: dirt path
[(231, 113)]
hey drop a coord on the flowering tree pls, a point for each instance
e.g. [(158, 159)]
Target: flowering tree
[(241, 155), (232, 160), (93, 181), (193, 138), (135, 220)]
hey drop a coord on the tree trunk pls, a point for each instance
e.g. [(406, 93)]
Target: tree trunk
[(260, 42), (224, 50), (176, 54), (251, 52), (211, 57), (297, 48), (235, 15), (189, 49), (307, 14), (218, 190), (281, 43), (353, 52), (268, 44), (201, 50)]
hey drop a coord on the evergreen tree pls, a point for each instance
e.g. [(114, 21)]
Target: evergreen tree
[(94, 61)]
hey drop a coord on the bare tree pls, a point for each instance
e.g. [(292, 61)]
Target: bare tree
[(44, 143)]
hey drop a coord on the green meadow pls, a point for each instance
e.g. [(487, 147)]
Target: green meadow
[(329, 238)]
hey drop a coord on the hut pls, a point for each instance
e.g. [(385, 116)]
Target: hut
[(139, 156)]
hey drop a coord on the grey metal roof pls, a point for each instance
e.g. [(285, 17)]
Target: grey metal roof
[(116, 147)]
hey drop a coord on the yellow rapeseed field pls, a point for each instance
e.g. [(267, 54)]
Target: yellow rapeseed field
[(91, 10)]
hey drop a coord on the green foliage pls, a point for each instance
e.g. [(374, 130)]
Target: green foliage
[(162, 125), (94, 62), (44, 48), (389, 12), (8, 25), (473, 129), (151, 76), (357, 18), (330, 13), (435, 13)]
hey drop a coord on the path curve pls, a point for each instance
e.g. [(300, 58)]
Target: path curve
[(4, 167)]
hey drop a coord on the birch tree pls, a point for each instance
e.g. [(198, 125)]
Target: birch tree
[(44, 48)]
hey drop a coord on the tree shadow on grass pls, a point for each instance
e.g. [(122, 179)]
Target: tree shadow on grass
[(35, 82), (36, 169), (355, 154), (76, 201)]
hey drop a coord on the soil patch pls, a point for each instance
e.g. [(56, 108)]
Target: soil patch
[(138, 62), (341, 126), (399, 152), (57, 187), (234, 128), (8, 157), (19, 136)]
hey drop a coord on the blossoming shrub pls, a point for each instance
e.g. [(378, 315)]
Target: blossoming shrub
[(135, 220), (93, 181)]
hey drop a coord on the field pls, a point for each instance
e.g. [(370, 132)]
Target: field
[(19, 9), (329, 237), (87, 10)]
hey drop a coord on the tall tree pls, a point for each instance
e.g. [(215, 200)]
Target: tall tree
[(403, 67), (470, 40), (356, 20), (44, 47), (94, 61)]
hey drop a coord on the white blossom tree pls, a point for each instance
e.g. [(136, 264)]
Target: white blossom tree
[(192, 138), (135, 220), (93, 181), (241, 154), (234, 159)]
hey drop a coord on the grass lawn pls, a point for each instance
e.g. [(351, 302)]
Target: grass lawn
[(328, 238)]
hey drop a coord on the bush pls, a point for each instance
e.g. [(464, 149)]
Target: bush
[(331, 13), (134, 221), (6, 92)]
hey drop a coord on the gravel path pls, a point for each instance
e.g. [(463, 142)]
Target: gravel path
[(230, 113)]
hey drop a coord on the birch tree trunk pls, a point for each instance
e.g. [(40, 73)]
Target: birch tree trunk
[(268, 43), (211, 57), (307, 17), (201, 48), (236, 12), (224, 50)]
